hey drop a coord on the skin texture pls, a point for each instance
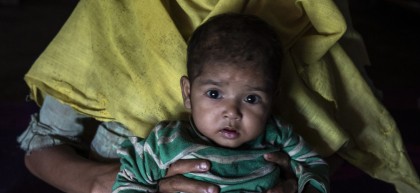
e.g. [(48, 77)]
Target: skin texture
[(229, 105)]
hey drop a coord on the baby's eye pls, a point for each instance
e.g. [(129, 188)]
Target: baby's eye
[(214, 94), (252, 99)]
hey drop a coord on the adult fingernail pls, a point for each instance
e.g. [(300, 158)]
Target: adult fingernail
[(203, 166), (267, 156), (211, 189)]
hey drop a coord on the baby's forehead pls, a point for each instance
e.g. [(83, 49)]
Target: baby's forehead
[(233, 64), (226, 66), (241, 76), (227, 70)]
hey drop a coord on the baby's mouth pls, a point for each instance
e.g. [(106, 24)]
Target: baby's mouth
[(229, 133)]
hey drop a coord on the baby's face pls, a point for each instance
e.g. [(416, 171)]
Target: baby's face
[(229, 105)]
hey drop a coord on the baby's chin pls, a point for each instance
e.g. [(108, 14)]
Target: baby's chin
[(229, 144)]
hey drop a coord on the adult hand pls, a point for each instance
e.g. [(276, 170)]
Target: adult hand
[(289, 185), (174, 181)]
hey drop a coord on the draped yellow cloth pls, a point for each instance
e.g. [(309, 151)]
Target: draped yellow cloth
[(122, 61)]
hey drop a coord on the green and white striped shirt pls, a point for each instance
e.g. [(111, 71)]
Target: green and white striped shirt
[(244, 169)]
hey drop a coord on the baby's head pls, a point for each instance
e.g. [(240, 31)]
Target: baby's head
[(236, 40), (233, 70)]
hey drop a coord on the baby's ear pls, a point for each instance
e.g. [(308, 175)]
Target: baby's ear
[(186, 91)]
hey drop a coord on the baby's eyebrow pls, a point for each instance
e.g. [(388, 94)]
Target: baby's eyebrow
[(258, 88), (212, 82)]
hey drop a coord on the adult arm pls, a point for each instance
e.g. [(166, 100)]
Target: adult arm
[(62, 167), (51, 140)]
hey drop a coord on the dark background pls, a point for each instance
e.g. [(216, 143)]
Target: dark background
[(390, 28)]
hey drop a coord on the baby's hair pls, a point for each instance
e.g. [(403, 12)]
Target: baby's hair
[(235, 39)]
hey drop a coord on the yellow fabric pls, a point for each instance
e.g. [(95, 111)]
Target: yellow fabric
[(122, 61)]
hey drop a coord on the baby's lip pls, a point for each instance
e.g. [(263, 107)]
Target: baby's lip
[(229, 133)]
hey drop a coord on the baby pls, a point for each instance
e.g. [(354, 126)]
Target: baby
[(233, 64)]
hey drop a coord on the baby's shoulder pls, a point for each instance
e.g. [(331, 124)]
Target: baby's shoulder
[(169, 127), (277, 123)]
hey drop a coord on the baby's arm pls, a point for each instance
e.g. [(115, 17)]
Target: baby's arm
[(139, 172), (309, 167)]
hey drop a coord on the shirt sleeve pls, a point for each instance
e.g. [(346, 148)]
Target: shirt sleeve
[(308, 166), (55, 124)]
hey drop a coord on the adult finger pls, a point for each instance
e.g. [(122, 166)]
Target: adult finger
[(279, 157), (283, 161), (188, 166), (179, 183)]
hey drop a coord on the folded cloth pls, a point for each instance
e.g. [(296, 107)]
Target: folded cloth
[(122, 61)]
